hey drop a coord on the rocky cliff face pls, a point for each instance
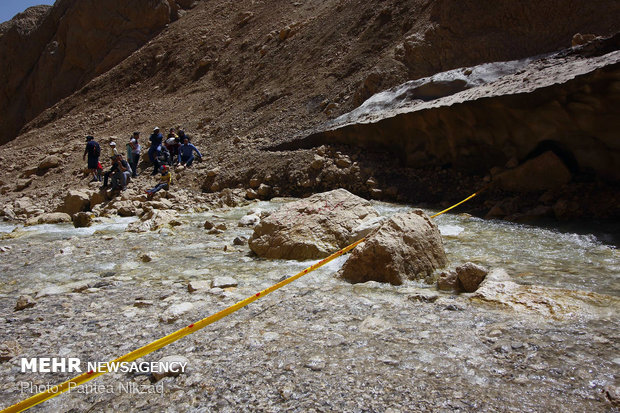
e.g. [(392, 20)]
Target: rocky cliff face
[(58, 52), (470, 32), (26, 21), (479, 118)]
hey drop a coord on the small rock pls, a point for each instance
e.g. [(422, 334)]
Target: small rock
[(376, 193), (221, 227), (199, 285), (175, 311), (251, 194), (448, 281), (22, 184), (271, 336), (82, 219), (50, 161), (249, 221), (23, 302), (171, 366), (317, 163), (613, 394), (146, 258), (284, 33), (371, 182), (470, 276), (316, 363), (424, 296), (240, 241), (208, 224), (264, 190), (254, 183), (9, 349), (223, 282), (343, 162)]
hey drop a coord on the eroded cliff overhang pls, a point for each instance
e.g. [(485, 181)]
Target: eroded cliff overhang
[(479, 117)]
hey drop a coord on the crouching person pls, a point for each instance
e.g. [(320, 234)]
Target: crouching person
[(121, 174), (165, 180), (186, 153)]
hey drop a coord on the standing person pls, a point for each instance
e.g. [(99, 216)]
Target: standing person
[(186, 153), (113, 150), (133, 153), (165, 180), (93, 150), (156, 139)]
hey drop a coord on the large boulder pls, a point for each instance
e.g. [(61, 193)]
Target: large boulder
[(82, 220), (49, 218), (311, 228), (75, 201), (544, 172), (406, 246), (50, 161), (155, 219)]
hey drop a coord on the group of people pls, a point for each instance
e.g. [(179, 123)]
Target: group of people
[(175, 150), (163, 154)]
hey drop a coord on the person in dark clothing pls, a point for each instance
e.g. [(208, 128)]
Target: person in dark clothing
[(186, 153), (93, 150), (156, 139), (182, 136), (120, 171)]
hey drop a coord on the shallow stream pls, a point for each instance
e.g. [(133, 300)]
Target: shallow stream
[(51, 254)]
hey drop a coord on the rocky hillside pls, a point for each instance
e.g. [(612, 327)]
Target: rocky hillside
[(247, 76), (49, 53)]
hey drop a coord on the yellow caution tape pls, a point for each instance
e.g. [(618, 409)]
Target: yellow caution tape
[(177, 335), (455, 205)]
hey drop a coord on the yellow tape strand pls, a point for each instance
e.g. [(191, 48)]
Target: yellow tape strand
[(179, 334), (455, 205)]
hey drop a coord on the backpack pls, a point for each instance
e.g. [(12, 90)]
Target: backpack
[(96, 149)]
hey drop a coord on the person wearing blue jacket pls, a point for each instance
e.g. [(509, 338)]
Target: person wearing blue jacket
[(156, 139), (186, 153)]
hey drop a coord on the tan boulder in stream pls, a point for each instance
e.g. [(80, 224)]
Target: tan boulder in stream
[(406, 246), (311, 228)]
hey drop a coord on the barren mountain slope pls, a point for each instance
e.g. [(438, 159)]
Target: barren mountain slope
[(245, 75)]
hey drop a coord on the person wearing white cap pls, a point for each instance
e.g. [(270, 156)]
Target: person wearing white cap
[(156, 139), (113, 151)]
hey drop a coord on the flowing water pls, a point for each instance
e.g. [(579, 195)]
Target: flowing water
[(50, 254), (319, 343)]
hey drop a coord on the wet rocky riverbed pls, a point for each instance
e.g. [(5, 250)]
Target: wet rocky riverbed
[(319, 344)]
